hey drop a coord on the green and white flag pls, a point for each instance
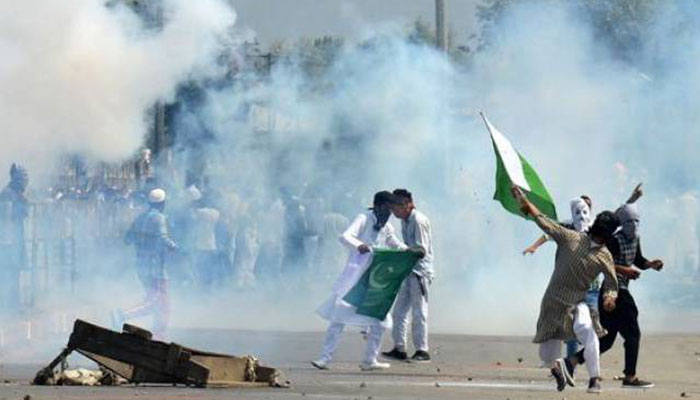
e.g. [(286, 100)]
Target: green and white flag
[(375, 292), (512, 168)]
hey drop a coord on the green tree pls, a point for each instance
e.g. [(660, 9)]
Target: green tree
[(421, 33), (621, 24)]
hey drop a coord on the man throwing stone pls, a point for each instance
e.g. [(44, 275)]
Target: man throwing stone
[(564, 314)]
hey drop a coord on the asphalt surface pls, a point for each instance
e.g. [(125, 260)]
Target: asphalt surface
[(464, 367)]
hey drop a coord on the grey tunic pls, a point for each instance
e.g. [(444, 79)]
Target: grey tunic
[(416, 231), (577, 264), (149, 233)]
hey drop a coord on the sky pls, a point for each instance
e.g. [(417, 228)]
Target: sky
[(275, 20)]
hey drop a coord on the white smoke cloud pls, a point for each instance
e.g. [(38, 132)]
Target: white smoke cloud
[(79, 77), (407, 118), (585, 120)]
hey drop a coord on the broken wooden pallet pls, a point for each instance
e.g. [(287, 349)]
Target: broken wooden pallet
[(135, 356)]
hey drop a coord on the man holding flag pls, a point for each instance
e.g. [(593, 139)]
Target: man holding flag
[(580, 257), (413, 296), (366, 289), (564, 313)]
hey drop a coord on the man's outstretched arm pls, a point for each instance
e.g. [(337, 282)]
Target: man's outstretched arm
[(533, 247), (636, 194), (551, 228)]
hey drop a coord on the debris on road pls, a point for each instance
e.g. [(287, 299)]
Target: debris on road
[(135, 357)]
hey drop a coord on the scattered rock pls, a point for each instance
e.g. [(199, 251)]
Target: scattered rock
[(363, 385), (303, 393), (369, 397)]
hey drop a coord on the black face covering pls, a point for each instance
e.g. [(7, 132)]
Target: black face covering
[(604, 225), (382, 218)]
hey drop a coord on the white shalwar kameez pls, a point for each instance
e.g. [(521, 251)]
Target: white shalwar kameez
[(340, 313), (413, 295)]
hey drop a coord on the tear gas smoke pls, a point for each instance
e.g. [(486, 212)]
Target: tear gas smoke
[(386, 114), (79, 78), (576, 111)]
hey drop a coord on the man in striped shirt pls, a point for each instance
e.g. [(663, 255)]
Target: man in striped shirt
[(564, 313)]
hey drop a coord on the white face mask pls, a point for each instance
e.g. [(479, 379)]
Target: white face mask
[(581, 215)]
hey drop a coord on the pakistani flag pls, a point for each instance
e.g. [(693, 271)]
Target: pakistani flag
[(512, 168), (376, 290)]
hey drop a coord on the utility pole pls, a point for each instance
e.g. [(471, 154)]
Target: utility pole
[(159, 127), (441, 25)]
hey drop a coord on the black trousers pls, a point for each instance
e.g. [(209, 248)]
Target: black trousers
[(622, 320)]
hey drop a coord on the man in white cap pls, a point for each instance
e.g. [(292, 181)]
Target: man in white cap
[(149, 234)]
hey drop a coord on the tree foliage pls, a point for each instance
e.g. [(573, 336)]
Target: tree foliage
[(620, 24)]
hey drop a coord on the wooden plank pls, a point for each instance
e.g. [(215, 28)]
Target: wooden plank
[(122, 369), (147, 361), (223, 369)]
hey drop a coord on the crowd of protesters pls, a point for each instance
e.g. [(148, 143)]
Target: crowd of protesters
[(60, 237)]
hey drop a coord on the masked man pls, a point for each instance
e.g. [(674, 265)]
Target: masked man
[(149, 234), (368, 230), (581, 221), (626, 251), (413, 295)]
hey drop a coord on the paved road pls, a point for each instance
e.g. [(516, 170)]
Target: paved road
[(465, 367)]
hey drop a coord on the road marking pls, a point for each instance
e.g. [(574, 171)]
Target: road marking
[(535, 386)]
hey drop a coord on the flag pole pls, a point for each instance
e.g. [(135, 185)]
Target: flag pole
[(483, 118), (488, 128)]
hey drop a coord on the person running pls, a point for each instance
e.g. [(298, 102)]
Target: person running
[(149, 234), (626, 251), (564, 314)]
